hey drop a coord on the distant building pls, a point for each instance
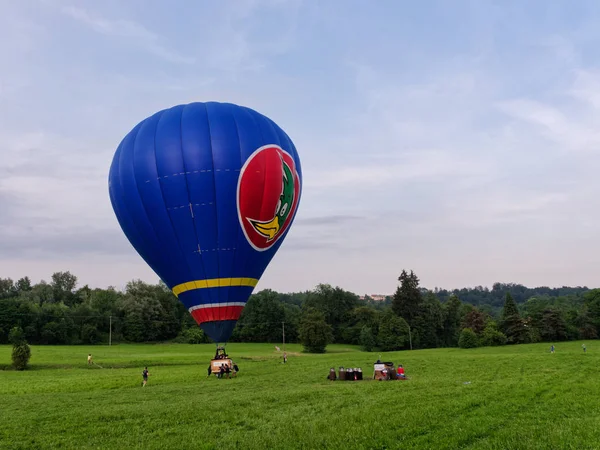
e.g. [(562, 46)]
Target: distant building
[(374, 297)]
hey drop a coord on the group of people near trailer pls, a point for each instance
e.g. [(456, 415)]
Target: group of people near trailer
[(385, 371), (225, 370), (222, 366), (381, 371)]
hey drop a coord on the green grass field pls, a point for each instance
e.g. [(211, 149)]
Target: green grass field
[(518, 397)]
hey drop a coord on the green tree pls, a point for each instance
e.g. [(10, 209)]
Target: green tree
[(23, 284), (89, 334), (315, 332), (7, 288), (468, 339), (513, 326), (262, 318), (510, 307), (475, 320), (452, 321), (292, 314), (393, 332), (553, 325), (585, 324), (40, 294), (428, 324), (367, 339), (407, 299), (335, 303), (358, 318), (491, 336), (592, 303), (21, 351), (63, 284), (194, 335)]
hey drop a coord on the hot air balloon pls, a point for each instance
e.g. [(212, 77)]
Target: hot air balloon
[(206, 193)]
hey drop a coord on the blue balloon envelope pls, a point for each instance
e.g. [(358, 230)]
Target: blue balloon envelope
[(206, 193)]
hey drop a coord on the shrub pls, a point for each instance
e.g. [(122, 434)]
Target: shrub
[(21, 351), (492, 336), (468, 339), (314, 332), (193, 335)]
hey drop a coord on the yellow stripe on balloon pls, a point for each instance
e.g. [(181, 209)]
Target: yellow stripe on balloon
[(213, 283)]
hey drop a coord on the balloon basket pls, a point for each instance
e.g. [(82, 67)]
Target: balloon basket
[(215, 365)]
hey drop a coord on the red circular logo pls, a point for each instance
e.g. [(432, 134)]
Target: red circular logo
[(267, 195)]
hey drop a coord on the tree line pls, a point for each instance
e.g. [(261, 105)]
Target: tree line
[(60, 312)]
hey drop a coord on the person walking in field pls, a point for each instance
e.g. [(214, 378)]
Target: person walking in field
[(284, 357), (583, 347), (145, 374), (552, 349), (89, 359)]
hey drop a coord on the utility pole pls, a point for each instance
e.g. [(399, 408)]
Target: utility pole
[(110, 331), (283, 324), (409, 337)]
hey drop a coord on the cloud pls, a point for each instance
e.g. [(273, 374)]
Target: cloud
[(404, 168), (52, 191), (40, 241), (568, 119), (127, 29), (244, 42), (337, 219)]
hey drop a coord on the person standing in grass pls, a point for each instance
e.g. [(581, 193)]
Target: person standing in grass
[(89, 359), (552, 349), (284, 357), (145, 374), (583, 347)]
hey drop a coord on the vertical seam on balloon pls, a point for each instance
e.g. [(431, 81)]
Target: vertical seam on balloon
[(162, 195), (189, 197), (210, 295), (237, 239), (135, 182), (241, 235), (215, 202), (119, 205)]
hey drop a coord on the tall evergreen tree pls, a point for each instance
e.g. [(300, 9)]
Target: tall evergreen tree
[(407, 299), (451, 331), (510, 307), (511, 323)]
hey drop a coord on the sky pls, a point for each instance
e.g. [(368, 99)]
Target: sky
[(457, 139)]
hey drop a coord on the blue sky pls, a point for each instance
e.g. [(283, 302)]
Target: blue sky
[(460, 139)]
